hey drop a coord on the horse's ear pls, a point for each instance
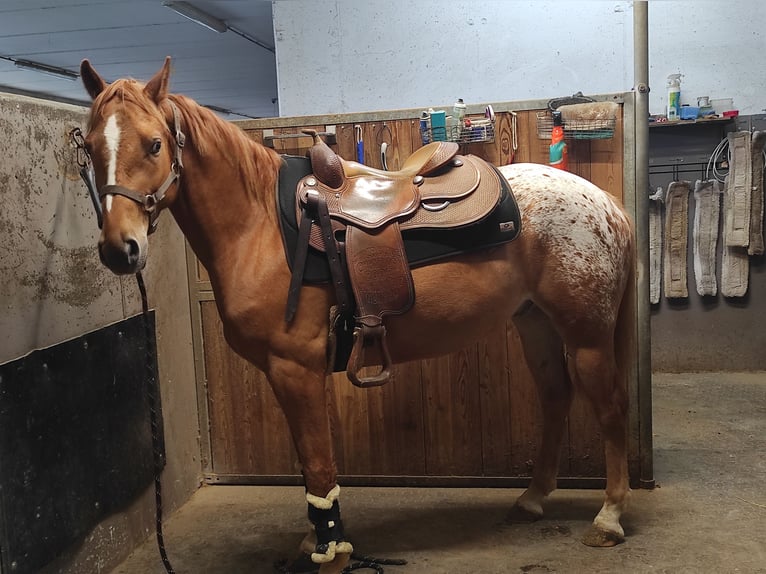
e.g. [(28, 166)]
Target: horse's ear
[(157, 88), (94, 84)]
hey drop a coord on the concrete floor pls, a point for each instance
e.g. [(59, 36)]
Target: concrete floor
[(707, 514)]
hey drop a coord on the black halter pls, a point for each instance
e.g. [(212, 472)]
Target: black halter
[(148, 201)]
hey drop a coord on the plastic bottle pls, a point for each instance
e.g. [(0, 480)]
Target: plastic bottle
[(674, 97), (558, 156), (458, 118), (425, 127), (438, 125)]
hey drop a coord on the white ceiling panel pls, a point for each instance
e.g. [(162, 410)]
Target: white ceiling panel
[(131, 39)]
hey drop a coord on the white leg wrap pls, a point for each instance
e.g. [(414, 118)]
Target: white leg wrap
[(707, 199), (676, 238), (317, 558), (326, 502), (333, 547)]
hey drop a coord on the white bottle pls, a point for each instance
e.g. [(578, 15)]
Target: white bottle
[(458, 118), (674, 97)]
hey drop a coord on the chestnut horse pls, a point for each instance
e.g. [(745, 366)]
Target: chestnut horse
[(566, 275)]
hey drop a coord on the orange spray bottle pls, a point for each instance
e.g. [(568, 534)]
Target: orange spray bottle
[(558, 149)]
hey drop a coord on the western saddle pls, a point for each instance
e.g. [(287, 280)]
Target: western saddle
[(356, 215)]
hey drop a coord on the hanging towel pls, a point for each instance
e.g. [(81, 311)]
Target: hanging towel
[(676, 232), (735, 263), (655, 244), (737, 222), (707, 208), (756, 246)]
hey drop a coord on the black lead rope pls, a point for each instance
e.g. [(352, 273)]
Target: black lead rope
[(362, 563), (154, 407)]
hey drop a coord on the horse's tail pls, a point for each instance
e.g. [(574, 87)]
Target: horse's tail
[(625, 337)]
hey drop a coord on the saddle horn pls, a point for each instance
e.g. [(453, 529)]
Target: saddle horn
[(325, 163)]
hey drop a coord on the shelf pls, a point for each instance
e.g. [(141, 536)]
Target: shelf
[(697, 122)]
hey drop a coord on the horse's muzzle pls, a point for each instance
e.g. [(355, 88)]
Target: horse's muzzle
[(123, 257)]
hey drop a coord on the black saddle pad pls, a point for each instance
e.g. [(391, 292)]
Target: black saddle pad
[(422, 246)]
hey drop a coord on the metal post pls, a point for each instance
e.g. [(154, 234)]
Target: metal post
[(643, 317)]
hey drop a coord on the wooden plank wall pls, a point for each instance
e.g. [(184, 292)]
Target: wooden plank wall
[(469, 414)]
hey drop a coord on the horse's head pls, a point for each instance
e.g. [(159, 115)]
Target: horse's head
[(134, 142)]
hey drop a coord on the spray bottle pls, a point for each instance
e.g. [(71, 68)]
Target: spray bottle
[(558, 151), (458, 119), (674, 97)]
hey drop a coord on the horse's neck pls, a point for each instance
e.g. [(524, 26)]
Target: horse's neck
[(223, 223)]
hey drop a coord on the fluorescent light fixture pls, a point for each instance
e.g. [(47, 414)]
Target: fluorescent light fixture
[(46, 69), (196, 15)]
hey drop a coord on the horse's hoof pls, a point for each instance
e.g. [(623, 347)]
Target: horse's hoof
[(340, 561), (600, 538), (520, 515)]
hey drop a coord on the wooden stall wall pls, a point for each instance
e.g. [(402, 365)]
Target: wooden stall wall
[(471, 417)]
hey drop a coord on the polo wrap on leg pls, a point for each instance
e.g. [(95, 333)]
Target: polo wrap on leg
[(324, 514)]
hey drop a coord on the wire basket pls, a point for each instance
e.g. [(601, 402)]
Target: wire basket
[(473, 134), (480, 131), (576, 129)]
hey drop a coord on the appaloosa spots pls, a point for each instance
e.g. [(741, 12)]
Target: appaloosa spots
[(588, 227)]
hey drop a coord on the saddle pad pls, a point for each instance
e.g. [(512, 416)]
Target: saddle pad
[(422, 246)]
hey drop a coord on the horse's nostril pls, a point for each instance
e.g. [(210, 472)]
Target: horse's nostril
[(132, 251)]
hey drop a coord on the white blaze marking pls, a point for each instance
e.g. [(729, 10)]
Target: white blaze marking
[(112, 137)]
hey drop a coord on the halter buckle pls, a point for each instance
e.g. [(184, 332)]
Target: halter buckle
[(150, 203)]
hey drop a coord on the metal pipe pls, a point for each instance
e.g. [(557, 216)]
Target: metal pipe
[(643, 316)]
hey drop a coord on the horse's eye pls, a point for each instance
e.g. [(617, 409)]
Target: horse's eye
[(156, 147)]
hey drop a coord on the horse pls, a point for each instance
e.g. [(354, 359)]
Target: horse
[(565, 274)]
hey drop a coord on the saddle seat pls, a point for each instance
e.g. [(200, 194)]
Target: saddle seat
[(355, 214), (421, 162), (367, 197)]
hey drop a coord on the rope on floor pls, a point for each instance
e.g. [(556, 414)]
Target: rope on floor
[(305, 566)]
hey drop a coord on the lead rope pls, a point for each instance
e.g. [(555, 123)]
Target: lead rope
[(86, 172), (303, 566), (151, 395), (363, 562)]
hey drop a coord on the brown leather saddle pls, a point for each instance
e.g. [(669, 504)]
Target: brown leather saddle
[(356, 214)]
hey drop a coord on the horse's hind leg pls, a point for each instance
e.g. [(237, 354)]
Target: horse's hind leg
[(594, 370), (543, 351)]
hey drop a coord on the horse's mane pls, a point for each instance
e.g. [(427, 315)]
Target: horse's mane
[(257, 165)]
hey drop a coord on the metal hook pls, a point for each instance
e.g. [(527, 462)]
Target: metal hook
[(380, 137)]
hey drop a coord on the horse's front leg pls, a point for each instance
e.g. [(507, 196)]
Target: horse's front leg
[(301, 394)]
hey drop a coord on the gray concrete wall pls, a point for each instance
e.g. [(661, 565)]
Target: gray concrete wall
[(712, 333), (53, 288)]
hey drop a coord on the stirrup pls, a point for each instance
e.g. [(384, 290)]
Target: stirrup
[(374, 334)]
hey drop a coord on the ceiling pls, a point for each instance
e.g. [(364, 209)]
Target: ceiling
[(131, 38)]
